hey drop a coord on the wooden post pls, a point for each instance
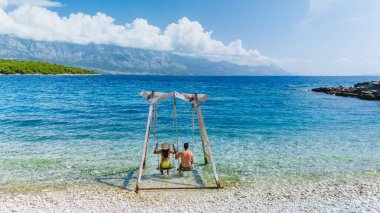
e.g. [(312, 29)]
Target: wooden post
[(155, 119), (202, 136), (143, 155), (206, 141)]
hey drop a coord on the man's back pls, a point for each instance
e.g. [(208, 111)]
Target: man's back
[(187, 158)]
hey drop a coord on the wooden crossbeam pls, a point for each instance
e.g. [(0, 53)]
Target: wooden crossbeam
[(180, 188), (155, 97), (193, 98)]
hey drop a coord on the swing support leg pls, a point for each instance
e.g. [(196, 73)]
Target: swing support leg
[(201, 126), (145, 147), (206, 142)]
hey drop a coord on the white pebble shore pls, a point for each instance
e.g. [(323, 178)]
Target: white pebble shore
[(320, 196)]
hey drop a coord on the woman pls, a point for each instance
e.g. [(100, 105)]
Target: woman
[(165, 157)]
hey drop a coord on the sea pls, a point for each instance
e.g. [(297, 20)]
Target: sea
[(57, 130)]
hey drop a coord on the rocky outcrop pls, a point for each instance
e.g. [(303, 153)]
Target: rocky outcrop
[(369, 90)]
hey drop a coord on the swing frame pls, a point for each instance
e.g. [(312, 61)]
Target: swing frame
[(196, 100)]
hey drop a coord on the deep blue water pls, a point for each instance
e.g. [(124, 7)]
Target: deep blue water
[(73, 128)]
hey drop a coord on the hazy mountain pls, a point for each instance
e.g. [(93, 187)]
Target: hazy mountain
[(123, 60)]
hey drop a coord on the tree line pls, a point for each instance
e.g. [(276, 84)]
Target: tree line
[(9, 67)]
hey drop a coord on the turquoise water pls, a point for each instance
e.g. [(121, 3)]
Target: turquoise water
[(70, 129)]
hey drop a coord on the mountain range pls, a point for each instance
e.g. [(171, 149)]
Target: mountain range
[(111, 59)]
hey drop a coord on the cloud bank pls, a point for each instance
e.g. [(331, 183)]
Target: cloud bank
[(317, 9), (42, 3), (34, 20)]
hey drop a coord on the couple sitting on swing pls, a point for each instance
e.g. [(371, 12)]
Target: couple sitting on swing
[(187, 157)]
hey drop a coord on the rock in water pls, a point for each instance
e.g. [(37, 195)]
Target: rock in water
[(369, 90)]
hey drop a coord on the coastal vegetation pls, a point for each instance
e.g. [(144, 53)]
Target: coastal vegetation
[(12, 67)]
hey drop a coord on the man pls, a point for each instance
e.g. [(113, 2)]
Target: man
[(187, 159)]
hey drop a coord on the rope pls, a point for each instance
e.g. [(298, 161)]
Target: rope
[(192, 141), (175, 124), (176, 121), (155, 132), (173, 129)]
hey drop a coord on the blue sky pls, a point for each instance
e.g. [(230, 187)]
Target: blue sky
[(306, 37)]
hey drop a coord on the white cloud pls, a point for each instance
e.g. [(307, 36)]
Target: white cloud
[(372, 61), (188, 37), (361, 17), (40, 3), (342, 61), (3, 4), (317, 5), (316, 9), (294, 61), (32, 20)]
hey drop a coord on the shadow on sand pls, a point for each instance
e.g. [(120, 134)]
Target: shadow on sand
[(110, 180), (124, 183)]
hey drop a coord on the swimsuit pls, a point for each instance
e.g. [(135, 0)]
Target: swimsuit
[(165, 165), (186, 168)]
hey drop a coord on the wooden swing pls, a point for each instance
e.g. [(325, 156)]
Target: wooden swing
[(196, 100), (155, 137)]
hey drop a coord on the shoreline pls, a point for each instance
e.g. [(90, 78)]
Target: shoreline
[(258, 196), (49, 74)]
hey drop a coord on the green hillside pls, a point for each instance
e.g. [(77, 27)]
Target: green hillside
[(9, 67)]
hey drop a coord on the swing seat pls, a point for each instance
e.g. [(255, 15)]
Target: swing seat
[(185, 169), (164, 169)]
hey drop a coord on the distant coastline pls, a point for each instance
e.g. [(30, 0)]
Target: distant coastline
[(15, 67), (111, 59)]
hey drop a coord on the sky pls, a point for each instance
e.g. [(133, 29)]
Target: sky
[(304, 37)]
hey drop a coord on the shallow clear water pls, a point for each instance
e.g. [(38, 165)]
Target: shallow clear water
[(59, 129)]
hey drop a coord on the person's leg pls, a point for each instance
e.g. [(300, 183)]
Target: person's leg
[(167, 171), (162, 172)]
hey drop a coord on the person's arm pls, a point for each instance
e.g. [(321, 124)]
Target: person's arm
[(175, 152), (177, 155), (155, 150), (192, 159)]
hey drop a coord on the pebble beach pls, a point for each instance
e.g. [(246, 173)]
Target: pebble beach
[(307, 196)]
